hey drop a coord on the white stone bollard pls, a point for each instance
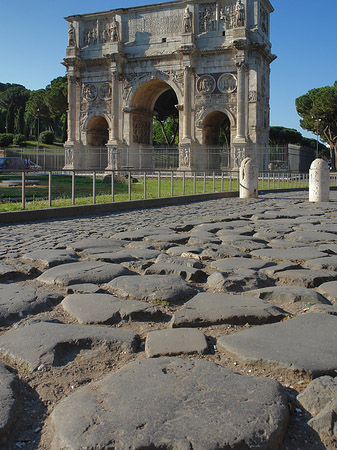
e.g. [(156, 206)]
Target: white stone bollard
[(319, 181), (248, 179)]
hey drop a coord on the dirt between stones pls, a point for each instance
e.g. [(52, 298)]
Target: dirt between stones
[(41, 390)]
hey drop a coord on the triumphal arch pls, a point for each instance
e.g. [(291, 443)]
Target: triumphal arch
[(209, 61)]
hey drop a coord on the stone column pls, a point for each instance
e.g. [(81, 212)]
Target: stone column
[(319, 181), (71, 113), (248, 179), (241, 102), (187, 105), (114, 107)]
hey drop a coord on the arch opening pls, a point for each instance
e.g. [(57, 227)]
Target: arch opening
[(97, 132), (154, 119), (216, 130)]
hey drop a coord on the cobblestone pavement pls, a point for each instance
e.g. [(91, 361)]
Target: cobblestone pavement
[(197, 326)]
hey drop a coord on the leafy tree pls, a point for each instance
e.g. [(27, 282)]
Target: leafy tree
[(47, 137), (10, 119), (166, 119), (318, 109), (56, 96), (15, 95), (283, 136), (36, 105)]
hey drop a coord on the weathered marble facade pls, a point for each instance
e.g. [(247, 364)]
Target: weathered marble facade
[(214, 55)]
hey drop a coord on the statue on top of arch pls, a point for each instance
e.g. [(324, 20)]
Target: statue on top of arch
[(239, 14), (187, 20), (114, 30)]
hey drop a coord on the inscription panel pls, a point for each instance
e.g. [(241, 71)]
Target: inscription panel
[(154, 24)]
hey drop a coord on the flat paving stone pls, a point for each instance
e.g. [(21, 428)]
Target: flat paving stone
[(177, 251), (95, 245), (305, 277), (230, 264), (9, 403), (105, 308), (329, 290), (288, 294), (318, 393), (305, 344), (289, 254), (237, 281), (188, 273), (184, 260), (320, 399), (170, 288), (180, 341), (328, 262), (222, 251), (207, 309), (280, 243), (18, 300), (46, 259), (172, 403), (177, 238), (311, 236), (84, 288), (125, 255), (8, 272), (96, 272), (36, 343)]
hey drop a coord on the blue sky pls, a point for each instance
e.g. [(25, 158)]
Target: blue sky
[(303, 36)]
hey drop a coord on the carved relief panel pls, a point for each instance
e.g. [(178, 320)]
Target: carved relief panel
[(215, 84), (207, 17)]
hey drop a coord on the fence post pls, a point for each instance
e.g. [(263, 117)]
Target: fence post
[(144, 185), (171, 183), (222, 181), (213, 182), (158, 183), (94, 187), (129, 185), (204, 182), (49, 188), (23, 190), (230, 181), (73, 187), (112, 186), (194, 182), (183, 182)]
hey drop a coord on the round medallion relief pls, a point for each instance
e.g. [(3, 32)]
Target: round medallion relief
[(105, 91), (206, 84), (90, 91), (227, 83)]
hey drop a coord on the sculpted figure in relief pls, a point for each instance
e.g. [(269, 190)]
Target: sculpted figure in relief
[(239, 14), (187, 20), (206, 84), (207, 20)]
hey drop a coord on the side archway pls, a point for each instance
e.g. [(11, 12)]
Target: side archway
[(97, 136), (216, 130), (97, 132)]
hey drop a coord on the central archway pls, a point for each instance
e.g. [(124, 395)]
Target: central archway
[(154, 99)]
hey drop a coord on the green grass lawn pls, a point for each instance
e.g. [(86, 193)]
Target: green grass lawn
[(37, 194)]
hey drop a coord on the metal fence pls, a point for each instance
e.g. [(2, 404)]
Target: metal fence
[(281, 158), (164, 183)]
